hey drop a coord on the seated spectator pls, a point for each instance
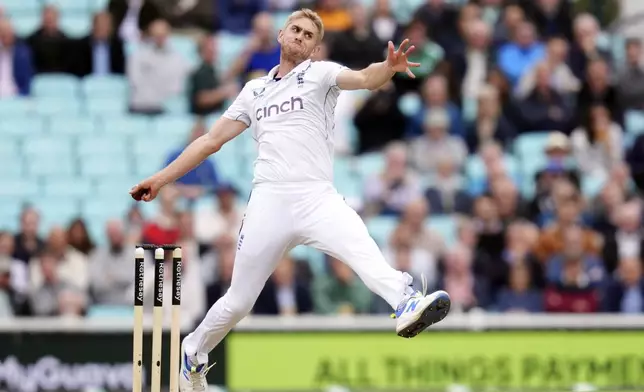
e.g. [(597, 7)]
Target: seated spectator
[(70, 265), (28, 242), (519, 295), (520, 238), (14, 278), (603, 207), (574, 276), (379, 120), (383, 22), (427, 53), (201, 179), (52, 50), (490, 230), (358, 46), (428, 149), (164, 227), (218, 267), (562, 80), (508, 199), (508, 24), (469, 67), (260, 55), (490, 123), (156, 72), (466, 290), (340, 291), (635, 159), (237, 17), (446, 194), (627, 239), (625, 292), (585, 48), (206, 94), (285, 293), (109, 267), (132, 18), (544, 108), (551, 17), (436, 97), (517, 57), (100, 53), (79, 237), (6, 292), (412, 227), (597, 143), (440, 20), (390, 191), (224, 218), (630, 82), (334, 15), (598, 90), (19, 70)]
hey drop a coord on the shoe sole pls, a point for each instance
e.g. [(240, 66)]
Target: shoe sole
[(435, 312)]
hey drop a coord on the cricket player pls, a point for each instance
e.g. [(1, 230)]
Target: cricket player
[(290, 113)]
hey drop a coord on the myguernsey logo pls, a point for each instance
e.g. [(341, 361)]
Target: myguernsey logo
[(295, 103)]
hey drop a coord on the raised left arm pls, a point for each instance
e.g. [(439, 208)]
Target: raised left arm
[(377, 74)]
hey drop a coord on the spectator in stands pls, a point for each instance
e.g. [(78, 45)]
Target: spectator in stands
[(507, 25), (428, 53), (627, 240), (383, 22), (490, 229), (15, 63), (14, 278), (562, 80), (469, 67), (390, 191), (551, 17), (598, 90), (468, 15), (603, 207), (110, 275), (79, 237), (6, 291), (378, 120), (509, 201), (524, 52), (222, 218), (544, 108), (132, 18), (558, 154), (100, 53), (27, 241), (635, 159), (497, 79), (222, 259), (428, 149), (335, 16), (285, 293), (440, 19), (519, 296), (203, 178), (52, 49), (262, 52), (237, 17), (466, 290), (625, 292), (574, 275), (71, 265), (584, 48), (597, 144), (630, 82), (164, 227), (490, 123), (156, 72), (436, 97), (446, 194), (413, 227), (340, 291), (206, 93), (53, 292), (358, 46)]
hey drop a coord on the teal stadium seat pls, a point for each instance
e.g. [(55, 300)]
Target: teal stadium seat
[(530, 146), (109, 311), (380, 228), (52, 106), (9, 146), (113, 146), (11, 165), (17, 8), (445, 225), (176, 127), (76, 25), (22, 188), (106, 106), (96, 166), (104, 86), (186, 47), (47, 145), (103, 208), (45, 165), (17, 126), (71, 125), (371, 164), (592, 185), (10, 208), (15, 107), (177, 105), (477, 177), (76, 7), (55, 85), (409, 104), (229, 46), (56, 211), (127, 125), (634, 122), (228, 163), (67, 187), (114, 186), (25, 24), (151, 147), (145, 166)]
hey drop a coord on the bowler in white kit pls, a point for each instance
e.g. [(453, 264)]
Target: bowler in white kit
[(290, 113)]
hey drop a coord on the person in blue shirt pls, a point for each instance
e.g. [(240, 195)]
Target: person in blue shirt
[(201, 179), (517, 57)]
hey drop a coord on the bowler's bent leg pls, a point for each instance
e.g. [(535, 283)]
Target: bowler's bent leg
[(265, 236)]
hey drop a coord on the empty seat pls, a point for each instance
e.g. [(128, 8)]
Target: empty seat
[(111, 145), (21, 126), (51, 106), (98, 5), (145, 166), (177, 127), (58, 86), (71, 125), (380, 228), (177, 105), (11, 166), (634, 121), (51, 165), (101, 209), (17, 8), (117, 185), (155, 147), (56, 211), (19, 188), (47, 145), (67, 187), (186, 46), (9, 147), (445, 225), (106, 106), (14, 107), (25, 24), (76, 25), (104, 86), (530, 146), (127, 125), (78, 7), (371, 164), (104, 165)]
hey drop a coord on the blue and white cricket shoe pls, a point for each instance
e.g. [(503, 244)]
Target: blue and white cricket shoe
[(419, 311), (193, 376)]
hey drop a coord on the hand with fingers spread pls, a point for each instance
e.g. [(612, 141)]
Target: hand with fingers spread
[(398, 59)]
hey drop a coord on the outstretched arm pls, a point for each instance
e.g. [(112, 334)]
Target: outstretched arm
[(377, 74)]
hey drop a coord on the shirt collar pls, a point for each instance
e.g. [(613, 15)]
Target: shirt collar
[(304, 65)]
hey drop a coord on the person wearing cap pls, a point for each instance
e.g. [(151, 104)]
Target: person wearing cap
[(426, 150)]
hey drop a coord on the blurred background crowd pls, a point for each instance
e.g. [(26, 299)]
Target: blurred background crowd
[(509, 171)]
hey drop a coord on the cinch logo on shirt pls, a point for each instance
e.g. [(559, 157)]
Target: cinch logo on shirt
[(295, 103)]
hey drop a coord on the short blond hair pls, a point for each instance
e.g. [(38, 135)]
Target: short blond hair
[(310, 15)]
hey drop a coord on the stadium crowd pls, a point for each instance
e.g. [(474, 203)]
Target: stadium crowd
[(501, 82)]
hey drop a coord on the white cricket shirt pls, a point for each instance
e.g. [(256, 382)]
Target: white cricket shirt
[(292, 122)]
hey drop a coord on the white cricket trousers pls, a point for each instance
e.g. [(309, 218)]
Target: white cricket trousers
[(280, 216)]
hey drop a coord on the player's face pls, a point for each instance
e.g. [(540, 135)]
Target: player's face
[(299, 40)]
